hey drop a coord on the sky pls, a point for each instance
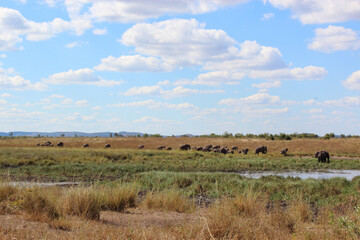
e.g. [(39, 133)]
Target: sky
[(180, 66)]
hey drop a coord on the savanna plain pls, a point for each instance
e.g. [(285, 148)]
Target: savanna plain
[(123, 192)]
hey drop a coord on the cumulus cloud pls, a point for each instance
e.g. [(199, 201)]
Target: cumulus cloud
[(344, 102), (83, 76), (156, 105), (100, 31), (76, 44), (255, 99), (139, 10), (175, 92), (309, 72), (325, 11), (334, 38), (353, 82), (13, 26), (5, 95), (179, 41), (218, 77), (9, 79), (134, 63), (266, 85), (268, 16), (148, 119)]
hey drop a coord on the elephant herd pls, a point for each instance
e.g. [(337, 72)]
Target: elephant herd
[(322, 156)]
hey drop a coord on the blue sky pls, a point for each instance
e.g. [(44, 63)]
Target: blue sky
[(180, 66)]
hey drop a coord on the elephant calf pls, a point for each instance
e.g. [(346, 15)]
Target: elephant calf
[(284, 151)]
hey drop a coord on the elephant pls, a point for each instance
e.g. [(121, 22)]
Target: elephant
[(262, 149), (169, 148), (224, 150), (60, 144), (207, 148), (185, 147), (216, 147), (234, 148), (199, 149), (323, 156), (244, 151), (38, 144), (161, 147), (107, 145), (217, 150), (86, 145), (47, 144), (284, 151), (141, 146)]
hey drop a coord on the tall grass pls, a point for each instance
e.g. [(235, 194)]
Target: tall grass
[(169, 201)]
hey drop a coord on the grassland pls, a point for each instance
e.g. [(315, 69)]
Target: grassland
[(150, 194)]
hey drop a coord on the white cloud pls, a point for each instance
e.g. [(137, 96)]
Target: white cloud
[(10, 80), (344, 102), (13, 26), (98, 31), (266, 85), (175, 92), (84, 76), (157, 105), (149, 119), (334, 38), (353, 82), (5, 95), (314, 110), (139, 10), (97, 108), (180, 41), (309, 72), (217, 78), (76, 44), (250, 56), (134, 63), (81, 103), (268, 16), (56, 96), (164, 83), (3, 55), (145, 90), (324, 11), (256, 99)]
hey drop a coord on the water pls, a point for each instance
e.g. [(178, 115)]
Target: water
[(348, 174), (43, 184)]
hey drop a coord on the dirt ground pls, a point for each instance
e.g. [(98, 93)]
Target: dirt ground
[(112, 225)]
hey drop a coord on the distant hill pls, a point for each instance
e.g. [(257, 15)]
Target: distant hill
[(69, 134)]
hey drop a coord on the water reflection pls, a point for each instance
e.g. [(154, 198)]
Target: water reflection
[(348, 174)]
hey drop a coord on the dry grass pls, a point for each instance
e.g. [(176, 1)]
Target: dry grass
[(341, 147), (243, 217), (168, 201)]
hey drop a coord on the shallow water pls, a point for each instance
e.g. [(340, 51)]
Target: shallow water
[(43, 184), (348, 174)]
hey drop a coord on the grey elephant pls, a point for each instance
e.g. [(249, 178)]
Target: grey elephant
[(86, 145), (207, 148), (107, 145), (323, 156), (141, 146), (262, 149), (185, 147), (161, 147), (284, 151), (60, 144), (244, 151)]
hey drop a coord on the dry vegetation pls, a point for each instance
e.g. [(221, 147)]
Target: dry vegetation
[(336, 146), (151, 194), (46, 213)]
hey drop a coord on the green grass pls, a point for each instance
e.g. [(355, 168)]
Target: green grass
[(88, 165)]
